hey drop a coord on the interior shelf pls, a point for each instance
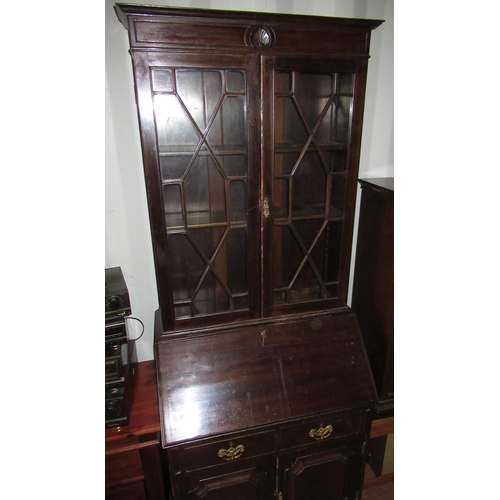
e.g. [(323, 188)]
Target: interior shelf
[(189, 150), (201, 220)]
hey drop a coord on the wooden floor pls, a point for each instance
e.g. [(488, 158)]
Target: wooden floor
[(379, 487), (384, 491)]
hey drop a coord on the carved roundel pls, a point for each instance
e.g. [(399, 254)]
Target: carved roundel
[(260, 37)]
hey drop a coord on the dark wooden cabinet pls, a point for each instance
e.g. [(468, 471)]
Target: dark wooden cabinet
[(258, 403), (251, 130), (373, 291)]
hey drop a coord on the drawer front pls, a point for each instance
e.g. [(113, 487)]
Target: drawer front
[(123, 468), (133, 491), (322, 428), (231, 450)]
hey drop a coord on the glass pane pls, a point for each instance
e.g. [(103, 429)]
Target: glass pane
[(327, 252), (287, 256), (206, 240), (163, 80), (309, 187), (284, 163), (172, 204), (188, 268), (342, 121), (201, 127), (200, 92), (313, 115), (173, 167), (306, 286), (238, 200), (337, 160), (338, 196), (312, 92), (230, 262), (283, 82), (281, 198), (235, 81), (229, 126), (234, 165), (346, 83), (175, 128), (211, 297), (205, 192), (307, 231), (241, 303), (290, 129)]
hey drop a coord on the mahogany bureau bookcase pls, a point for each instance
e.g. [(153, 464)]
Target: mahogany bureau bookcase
[(251, 129)]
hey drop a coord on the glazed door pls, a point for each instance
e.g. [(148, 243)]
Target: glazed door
[(310, 170), (200, 111)]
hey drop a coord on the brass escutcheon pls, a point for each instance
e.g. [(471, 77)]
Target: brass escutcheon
[(266, 208)]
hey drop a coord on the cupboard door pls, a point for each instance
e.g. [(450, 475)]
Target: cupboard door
[(255, 481), (321, 474), (310, 170), (198, 146)]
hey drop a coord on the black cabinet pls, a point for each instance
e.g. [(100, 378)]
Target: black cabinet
[(373, 291)]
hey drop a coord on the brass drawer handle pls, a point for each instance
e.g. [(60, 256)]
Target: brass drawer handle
[(321, 433), (231, 453)]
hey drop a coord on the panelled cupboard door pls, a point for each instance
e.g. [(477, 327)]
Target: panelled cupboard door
[(202, 112), (317, 475), (310, 169), (255, 481)]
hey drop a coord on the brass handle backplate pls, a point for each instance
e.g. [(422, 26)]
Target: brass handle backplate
[(321, 433), (266, 208), (231, 453)]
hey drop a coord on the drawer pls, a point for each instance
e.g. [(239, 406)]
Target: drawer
[(322, 428), (123, 468), (230, 450), (133, 491)]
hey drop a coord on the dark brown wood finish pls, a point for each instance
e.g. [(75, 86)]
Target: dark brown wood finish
[(133, 453), (252, 377), (322, 474), (272, 66), (179, 39), (251, 128), (373, 291)]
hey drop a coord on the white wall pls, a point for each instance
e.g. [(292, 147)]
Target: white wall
[(128, 241)]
